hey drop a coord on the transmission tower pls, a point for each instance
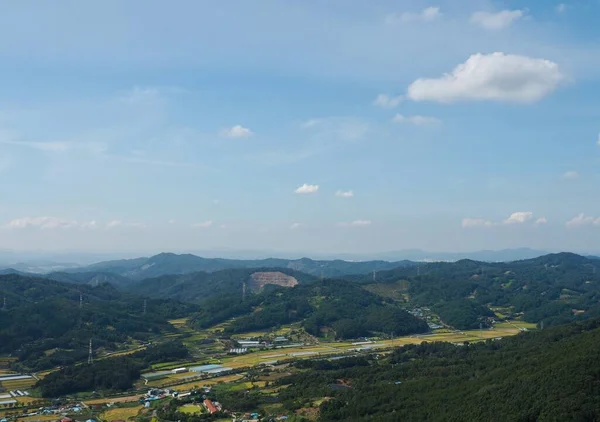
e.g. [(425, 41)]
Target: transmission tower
[(90, 354), (244, 291), (4, 304), (145, 306), (374, 275), (80, 300)]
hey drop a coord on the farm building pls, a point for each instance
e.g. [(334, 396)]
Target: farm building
[(179, 370), (210, 406), (210, 369)]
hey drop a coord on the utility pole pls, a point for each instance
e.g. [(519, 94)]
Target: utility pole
[(90, 354), (374, 275)]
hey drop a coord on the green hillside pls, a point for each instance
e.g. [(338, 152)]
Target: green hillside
[(549, 375)]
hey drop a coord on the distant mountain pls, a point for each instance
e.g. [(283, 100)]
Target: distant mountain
[(169, 263), (554, 288), (503, 255), (202, 287)]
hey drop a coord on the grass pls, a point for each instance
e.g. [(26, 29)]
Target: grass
[(190, 409), (123, 413)]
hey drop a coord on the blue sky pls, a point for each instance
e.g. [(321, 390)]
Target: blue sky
[(325, 127)]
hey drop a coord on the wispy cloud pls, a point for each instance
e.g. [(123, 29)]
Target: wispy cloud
[(203, 225), (58, 146), (475, 222), (355, 223), (345, 193), (570, 175), (48, 223), (237, 131), (582, 220), (118, 223), (416, 120), (295, 226), (428, 14), (496, 21), (387, 101), (306, 188), (493, 77), (560, 8), (338, 128), (516, 218)]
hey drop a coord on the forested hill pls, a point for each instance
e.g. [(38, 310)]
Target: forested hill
[(333, 308), (202, 287), (169, 263), (44, 315), (556, 288), (547, 375)]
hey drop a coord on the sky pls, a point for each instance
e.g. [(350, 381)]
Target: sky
[(326, 127)]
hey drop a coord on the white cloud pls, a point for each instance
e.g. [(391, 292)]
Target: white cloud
[(582, 220), (58, 146), (415, 120), (495, 21), (118, 223), (345, 193), (519, 217), (386, 101), (494, 77), (570, 175), (305, 188), (237, 131), (203, 225), (171, 222), (295, 226), (48, 223), (560, 8), (355, 223), (475, 222), (223, 226), (428, 14)]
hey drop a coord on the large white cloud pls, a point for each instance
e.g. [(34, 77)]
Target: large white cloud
[(519, 217), (306, 188), (495, 21), (493, 77), (237, 131)]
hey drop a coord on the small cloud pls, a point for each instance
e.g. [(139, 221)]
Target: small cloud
[(541, 220), (118, 223), (42, 223), (468, 223), (519, 217), (386, 101), (355, 223), (496, 21), (570, 175), (491, 77), (203, 225), (560, 8), (237, 131), (416, 120), (171, 222), (305, 188), (344, 193), (428, 14), (216, 201), (295, 226), (582, 220), (223, 226)]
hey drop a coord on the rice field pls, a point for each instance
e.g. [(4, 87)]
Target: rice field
[(123, 413)]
